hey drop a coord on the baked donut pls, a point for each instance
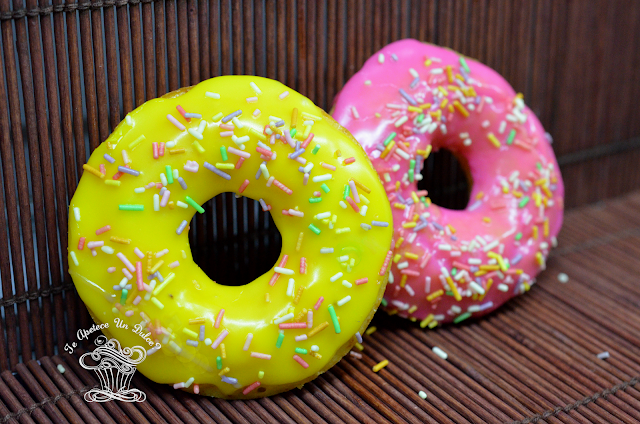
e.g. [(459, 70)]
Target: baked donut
[(131, 261), (411, 98)]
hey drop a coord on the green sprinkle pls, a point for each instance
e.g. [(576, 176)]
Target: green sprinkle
[(454, 271), (334, 319), (194, 204), (314, 229), (325, 188), (523, 202), (449, 293), (123, 296), (412, 164), (539, 166), (315, 149), (260, 374), (198, 147), (518, 236), (464, 65), (420, 118), (462, 317), (301, 351), (218, 116), (293, 132), (347, 191), (280, 339), (512, 135), (223, 152), (169, 174), (131, 207), (389, 139), (384, 302), (219, 362), (315, 199)]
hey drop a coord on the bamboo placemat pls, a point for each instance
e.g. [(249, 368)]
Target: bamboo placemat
[(533, 361)]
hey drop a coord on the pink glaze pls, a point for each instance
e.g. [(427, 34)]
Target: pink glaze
[(496, 230)]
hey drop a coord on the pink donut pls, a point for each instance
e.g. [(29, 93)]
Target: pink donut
[(449, 265)]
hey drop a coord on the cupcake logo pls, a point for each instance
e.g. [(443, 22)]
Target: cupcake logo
[(115, 367)]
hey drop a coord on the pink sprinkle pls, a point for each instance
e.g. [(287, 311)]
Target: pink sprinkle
[(239, 163), (226, 133), (300, 338), (237, 152), (356, 196), (303, 266), (348, 161), (327, 166), (282, 187), (219, 318), (111, 269), (265, 158), (287, 137), (95, 244), (410, 272), (220, 338), (154, 146), (247, 342), (243, 186), (165, 198), (128, 313), (294, 212), (139, 279), (292, 325), (307, 141), (387, 259), (126, 262), (174, 264), (353, 204), (103, 168), (227, 127), (421, 193), (285, 212), (175, 122), (362, 281), (178, 386), (274, 279), (309, 319), (251, 388), (282, 263), (318, 303), (300, 361), (161, 149), (138, 253), (196, 389), (425, 259), (81, 243), (305, 179), (317, 194), (127, 274), (264, 151), (103, 229), (461, 266), (137, 300), (150, 185), (260, 355), (158, 185), (183, 112), (355, 354)]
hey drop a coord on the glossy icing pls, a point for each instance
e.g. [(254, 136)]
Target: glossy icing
[(149, 242), (449, 265)]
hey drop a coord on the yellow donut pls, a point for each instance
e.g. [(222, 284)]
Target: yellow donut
[(130, 257)]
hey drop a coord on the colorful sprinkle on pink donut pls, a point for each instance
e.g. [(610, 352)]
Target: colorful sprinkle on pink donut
[(412, 98)]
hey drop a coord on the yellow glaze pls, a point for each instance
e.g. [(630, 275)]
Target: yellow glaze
[(188, 293)]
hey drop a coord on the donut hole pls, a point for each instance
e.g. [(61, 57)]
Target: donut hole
[(446, 180), (234, 241)]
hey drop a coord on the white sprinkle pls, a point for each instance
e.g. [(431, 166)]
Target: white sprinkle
[(74, 258), (343, 205), (503, 288), (437, 71), (283, 95), (315, 348), (365, 227), (491, 245), (603, 355), (347, 284), (211, 95), (335, 277), (76, 214), (326, 250), (255, 87), (485, 124), (290, 287), (403, 265), (401, 120), (563, 278), (343, 300), (321, 178), (476, 287), (156, 202), (441, 353), (107, 249), (284, 271), (252, 99), (323, 215), (422, 394), (355, 112), (283, 318), (413, 73), (381, 58), (60, 367)]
